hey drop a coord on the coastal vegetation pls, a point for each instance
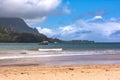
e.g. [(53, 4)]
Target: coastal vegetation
[(79, 41), (6, 35)]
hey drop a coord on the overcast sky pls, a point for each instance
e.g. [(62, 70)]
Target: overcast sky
[(97, 20)]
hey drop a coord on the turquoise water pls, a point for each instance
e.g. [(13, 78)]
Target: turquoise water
[(72, 54), (65, 46)]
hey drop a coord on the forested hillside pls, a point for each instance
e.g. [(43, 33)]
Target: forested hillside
[(6, 35)]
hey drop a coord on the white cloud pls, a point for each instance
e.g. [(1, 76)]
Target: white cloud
[(27, 9), (98, 17), (45, 31), (66, 10), (113, 19), (36, 20), (66, 30), (107, 28), (82, 29), (85, 30)]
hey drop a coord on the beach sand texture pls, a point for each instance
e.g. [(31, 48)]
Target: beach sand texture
[(88, 72)]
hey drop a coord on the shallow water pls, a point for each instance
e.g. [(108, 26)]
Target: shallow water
[(72, 54), (65, 46)]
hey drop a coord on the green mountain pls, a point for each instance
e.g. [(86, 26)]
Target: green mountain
[(6, 35), (16, 30)]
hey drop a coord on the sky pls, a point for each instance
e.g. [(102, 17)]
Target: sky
[(97, 20)]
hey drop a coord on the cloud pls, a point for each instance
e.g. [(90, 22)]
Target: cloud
[(98, 17), (86, 30), (66, 10), (36, 20), (116, 34), (67, 30), (45, 31), (96, 31), (28, 9)]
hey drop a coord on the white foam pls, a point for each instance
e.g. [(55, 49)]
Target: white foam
[(53, 50), (37, 54)]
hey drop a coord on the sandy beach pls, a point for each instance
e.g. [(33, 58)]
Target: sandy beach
[(86, 72), (44, 66)]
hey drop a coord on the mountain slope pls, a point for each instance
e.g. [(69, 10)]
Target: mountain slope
[(6, 35), (17, 25), (16, 30)]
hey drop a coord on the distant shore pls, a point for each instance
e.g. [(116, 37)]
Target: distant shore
[(86, 72)]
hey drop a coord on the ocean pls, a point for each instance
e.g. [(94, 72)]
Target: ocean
[(72, 54), (64, 46)]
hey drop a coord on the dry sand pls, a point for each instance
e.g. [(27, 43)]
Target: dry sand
[(88, 72)]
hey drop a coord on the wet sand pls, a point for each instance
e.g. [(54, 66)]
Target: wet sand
[(86, 72), (57, 60), (56, 67)]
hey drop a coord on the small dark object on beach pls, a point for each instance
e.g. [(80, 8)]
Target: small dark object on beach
[(23, 53), (70, 68), (22, 73), (106, 70)]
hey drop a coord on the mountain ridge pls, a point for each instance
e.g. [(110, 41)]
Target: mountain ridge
[(16, 30), (17, 25)]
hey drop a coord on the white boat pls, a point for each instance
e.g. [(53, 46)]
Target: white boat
[(46, 50)]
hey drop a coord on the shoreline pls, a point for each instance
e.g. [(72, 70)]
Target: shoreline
[(47, 66), (41, 60), (73, 72)]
